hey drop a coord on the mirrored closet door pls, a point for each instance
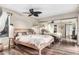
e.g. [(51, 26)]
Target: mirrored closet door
[(69, 30)]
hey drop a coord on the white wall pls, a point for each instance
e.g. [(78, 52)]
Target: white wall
[(22, 21), (19, 20)]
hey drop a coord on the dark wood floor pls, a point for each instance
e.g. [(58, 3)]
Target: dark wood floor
[(57, 49)]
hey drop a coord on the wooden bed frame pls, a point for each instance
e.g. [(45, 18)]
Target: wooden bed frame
[(42, 46)]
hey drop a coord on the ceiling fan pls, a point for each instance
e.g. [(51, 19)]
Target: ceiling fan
[(32, 12)]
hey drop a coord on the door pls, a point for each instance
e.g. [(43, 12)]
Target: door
[(69, 30)]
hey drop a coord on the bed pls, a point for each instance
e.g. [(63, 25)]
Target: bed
[(35, 41)]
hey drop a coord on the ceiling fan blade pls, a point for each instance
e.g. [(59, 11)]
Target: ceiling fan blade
[(35, 15), (38, 12), (30, 15)]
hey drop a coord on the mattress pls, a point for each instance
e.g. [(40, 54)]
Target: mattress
[(37, 40)]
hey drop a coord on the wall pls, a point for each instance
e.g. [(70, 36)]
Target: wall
[(21, 21)]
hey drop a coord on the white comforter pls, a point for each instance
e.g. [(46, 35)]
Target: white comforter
[(35, 39)]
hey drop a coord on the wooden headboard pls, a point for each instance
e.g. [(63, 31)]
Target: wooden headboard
[(24, 31), (19, 30)]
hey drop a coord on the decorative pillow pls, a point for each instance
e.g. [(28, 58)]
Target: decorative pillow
[(24, 33), (19, 34), (31, 31)]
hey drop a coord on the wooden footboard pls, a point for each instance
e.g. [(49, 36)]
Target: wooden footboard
[(26, 44), (39, 48)]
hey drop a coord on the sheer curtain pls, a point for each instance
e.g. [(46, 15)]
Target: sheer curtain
[(3, 20)]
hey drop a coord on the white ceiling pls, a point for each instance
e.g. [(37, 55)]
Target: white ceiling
[(46, 9)]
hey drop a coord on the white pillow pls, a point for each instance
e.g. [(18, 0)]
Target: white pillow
[(19, 34)]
